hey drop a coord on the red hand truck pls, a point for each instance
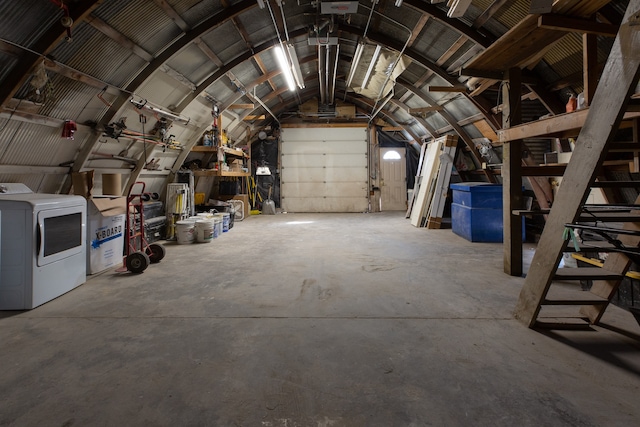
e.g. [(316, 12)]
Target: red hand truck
[(138, 253)]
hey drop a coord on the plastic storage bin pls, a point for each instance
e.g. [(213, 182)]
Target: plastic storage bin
[(478, 195), (477, 224)]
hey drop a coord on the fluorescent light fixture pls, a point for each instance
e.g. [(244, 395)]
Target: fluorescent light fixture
[(297, 73), (261, 4), (398, 3), (374, 58), (354, 64), (284, 66)]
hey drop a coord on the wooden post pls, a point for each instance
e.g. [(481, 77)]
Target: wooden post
[(590, 65), (617, 83), (512, 175)]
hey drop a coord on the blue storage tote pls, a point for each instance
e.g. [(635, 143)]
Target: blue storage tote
[(477, 224), (478, 195)]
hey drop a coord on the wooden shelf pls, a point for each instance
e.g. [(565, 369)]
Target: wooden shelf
[(555, 126), (215, 172), (227, 151), (204, 149)]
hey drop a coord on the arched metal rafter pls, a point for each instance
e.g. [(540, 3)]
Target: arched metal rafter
[(234, 11)]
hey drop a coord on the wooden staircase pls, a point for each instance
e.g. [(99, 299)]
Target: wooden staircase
[(536, 307)]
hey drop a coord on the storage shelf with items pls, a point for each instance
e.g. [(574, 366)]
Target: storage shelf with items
[(219, 168)]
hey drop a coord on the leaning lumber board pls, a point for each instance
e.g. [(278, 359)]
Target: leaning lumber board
[(429, 165)]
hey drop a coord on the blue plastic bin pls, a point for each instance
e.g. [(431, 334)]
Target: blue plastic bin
[(477, 224), (477, 195)]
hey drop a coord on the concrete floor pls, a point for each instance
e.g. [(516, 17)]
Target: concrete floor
[(313, 320)]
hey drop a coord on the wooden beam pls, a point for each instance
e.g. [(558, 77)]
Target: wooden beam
[(452, 50), (512, 175), (417, 29), (254, 117), (37, 119), (47, 41), (457, 88), (570, 24), (488, 13), (210, 53), (589, 65), (551, 126), (34, 170), (241, 107), (525, 41), (119, 38), (171, 13), (423, 110), (617, 83), (392, 129)]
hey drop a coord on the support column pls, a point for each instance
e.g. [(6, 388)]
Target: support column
[(512, 174), (589, 66)]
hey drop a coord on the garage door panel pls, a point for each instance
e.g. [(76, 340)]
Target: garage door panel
[(324, 170), (324, 134), (315, 189), (324, 147), (322, 174), (360, 204), (320, 160)]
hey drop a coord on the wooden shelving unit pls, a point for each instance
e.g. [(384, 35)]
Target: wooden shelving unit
[(210, 152)]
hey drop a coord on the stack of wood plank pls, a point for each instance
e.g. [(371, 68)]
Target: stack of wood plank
[(432, 182)]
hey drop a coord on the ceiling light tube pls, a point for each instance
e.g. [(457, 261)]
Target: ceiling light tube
[(398, 3), (374, 58), (297, 73), (354, 64), (284, 66)]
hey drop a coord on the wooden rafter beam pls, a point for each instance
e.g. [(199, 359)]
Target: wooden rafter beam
[(488, 13), (241, 106), (244, 34), (417, 29), (119, 38), (571, 24), (44, 45), (210, 53), (423, 110), (171, 13), (451, 51), (456, 88)]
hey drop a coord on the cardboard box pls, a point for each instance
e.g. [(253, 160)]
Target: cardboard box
[(105, 232), (105, 224), (243, 197)]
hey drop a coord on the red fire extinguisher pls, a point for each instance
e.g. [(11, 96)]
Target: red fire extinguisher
[(68, 129)]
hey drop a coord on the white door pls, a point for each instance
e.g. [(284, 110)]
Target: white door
[(393, 179), (324, 170)]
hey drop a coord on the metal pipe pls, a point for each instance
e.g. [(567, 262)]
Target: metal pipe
[(332, 91), (255, 98), (321, 59), (375, 113)]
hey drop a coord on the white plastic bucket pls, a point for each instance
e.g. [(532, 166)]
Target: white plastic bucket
[(185, 231), (217, 227), (226, 219), (204, 231), (205, 215)]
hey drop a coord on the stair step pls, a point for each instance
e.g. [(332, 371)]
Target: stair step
[(616, 184), (586, 273), (609, 217), (574, 302), (571, 323)]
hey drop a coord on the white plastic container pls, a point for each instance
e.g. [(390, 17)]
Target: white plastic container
[(185, 232), (204, 231)]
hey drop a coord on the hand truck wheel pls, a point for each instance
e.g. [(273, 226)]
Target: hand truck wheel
[(156, 252), (137, 262)]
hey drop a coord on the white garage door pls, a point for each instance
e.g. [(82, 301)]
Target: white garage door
[(324, 170)]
